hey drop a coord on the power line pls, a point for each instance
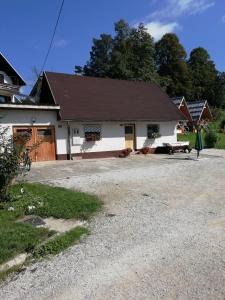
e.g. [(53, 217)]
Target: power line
[(52, 39)]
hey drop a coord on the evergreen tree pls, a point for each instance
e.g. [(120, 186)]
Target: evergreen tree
[(170, 58), (121, 52), (99, 64), (219, 99), (142, 62), (203, 74), (129, 55)]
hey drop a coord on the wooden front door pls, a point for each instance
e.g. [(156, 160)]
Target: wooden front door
[(130, 136), (43, 137)]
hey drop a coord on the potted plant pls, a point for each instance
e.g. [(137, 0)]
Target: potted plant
[(125, 152), (145, 150)]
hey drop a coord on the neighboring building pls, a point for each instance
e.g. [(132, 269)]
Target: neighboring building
[(181, 104), (10, 81), (195, 112), (200, 112), (87, 117), (39, 120)]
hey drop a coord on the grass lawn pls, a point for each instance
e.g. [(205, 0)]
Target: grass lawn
[(191, 138), (17, 237), (56, 202)]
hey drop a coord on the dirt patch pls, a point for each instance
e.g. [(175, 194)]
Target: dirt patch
[(61, 225)]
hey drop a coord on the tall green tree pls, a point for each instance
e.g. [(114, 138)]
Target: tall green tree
[(121, 52), (99, 64), (142, 55), (171, 64), (203, 74), (219, 99), (129, 55)]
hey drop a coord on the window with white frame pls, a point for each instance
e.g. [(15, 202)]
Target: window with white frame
[(153, 131), (92, 132)]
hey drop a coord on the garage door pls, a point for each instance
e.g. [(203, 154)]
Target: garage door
[(43, 137)]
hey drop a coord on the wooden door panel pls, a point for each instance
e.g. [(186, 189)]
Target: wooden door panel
[(129, 137), (21, 131), (45, 138)]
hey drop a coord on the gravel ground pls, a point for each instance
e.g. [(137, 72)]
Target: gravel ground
[(161, 234)]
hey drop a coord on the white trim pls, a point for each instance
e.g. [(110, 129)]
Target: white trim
[(183, 99), (49, 86), (30, 106)]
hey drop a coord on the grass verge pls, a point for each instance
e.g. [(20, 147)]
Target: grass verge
[(60, 243), (56, 202), (47, 201), (192, 136), (17, 237)]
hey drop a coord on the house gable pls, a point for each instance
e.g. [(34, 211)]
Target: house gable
[(10, 74), (200, 111)]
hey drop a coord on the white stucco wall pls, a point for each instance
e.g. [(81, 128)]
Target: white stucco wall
[(10, 118), (167, 131), (113, 137), (112, 133)]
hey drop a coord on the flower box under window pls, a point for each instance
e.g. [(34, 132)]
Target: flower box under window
[(92, 133)]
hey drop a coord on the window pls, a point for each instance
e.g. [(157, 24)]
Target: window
[(129, 129), (153, 131), (1, 78), (5, 99), (76, 136), (92, 133), (24, 131), (42, 133)]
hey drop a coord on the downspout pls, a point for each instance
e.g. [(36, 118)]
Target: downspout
[(69, 141)]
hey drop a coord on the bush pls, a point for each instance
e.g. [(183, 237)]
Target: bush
[(222, 125), (210, 139), (14, 158), (145, 150), (60, 243), (9, 162)]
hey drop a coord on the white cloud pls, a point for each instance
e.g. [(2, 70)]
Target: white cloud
[(61, 43), (158, 29), (179, 8), (223, 19)]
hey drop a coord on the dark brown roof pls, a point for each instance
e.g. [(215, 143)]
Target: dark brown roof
[(96, 99)]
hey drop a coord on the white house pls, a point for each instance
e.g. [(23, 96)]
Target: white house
[(76, 116)]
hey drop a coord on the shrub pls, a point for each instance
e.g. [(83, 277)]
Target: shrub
[(210, 139), (222, 125), (11, 149), (145, 150)]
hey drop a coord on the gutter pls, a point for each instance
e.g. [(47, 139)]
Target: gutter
[(30, 106)]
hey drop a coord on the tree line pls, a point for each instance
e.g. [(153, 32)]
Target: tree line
[(132, 54)]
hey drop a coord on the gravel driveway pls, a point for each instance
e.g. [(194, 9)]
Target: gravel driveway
[(161, 234)]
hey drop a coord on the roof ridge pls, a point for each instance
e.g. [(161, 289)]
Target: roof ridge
[(103, 78)]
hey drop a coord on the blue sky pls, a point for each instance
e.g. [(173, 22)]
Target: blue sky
[(27, 25)]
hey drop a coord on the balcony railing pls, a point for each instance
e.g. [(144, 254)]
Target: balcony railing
[(12, 89)]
